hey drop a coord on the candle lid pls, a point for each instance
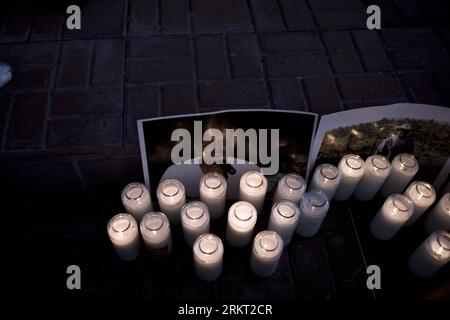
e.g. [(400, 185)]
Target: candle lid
[(242, 214), (268, 244), (421, 190), (213, 180), (354, 161), (122, 225), (153, 223), (286, 209), (407, 161), (171, 189), (194, 214), (208, 248), (380, 162), (439, 245), (402, 206), (328, 171), (254, 179), (315, 203), (294, 181)]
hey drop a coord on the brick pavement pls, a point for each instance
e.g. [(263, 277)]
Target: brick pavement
[(70, 111)]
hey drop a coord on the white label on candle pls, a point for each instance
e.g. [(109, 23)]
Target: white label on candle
[(284, 219), (396, 210), (326, 178), (266, 253), (422, 195), (253, 188), (431, 255), (208, 256), (313, 209), (376, 169), (155, 231), (136, 200), (195, 221), (439, 217), (404, 168), (213, 192), (124, 234), (171, 198), (241, 222), (290, 187), (351, 167)]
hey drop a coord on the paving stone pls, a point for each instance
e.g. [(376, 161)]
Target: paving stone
[(175, 16), (27, 54), (322, 95), (30, 78), (142, 102), (109, 60), (143, 16), (369, 87), (423, 88), (267, 15), (371, 51), (417, 37), (421, 59), (16, 24), (5, 106), (159, 47), (297, 15), (178, 99), (335, 4), (343, 55), (341, 19), (297, 64), (292, 41), (443, 83), (74, 64), (47, 24), (212, 63), (288, 94), (97, 27), (142, 71)]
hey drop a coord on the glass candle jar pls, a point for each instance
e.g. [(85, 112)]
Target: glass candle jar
[(284, 219), (208, 256), (123, 232), (431, 255), (396, 210), (290, 187), (253, 188), (155, 231), (171, 198), (266, 253), (422, 195), (351, 167), (404, 168), (313, 209), (136, 200), (213, 192), (326, 178), (195, 221), (241, 222), (439, 217), (376, 170)]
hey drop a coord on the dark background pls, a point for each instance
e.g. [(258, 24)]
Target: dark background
[(68, 137)]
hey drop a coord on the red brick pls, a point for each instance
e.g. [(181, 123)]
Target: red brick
[(369, 87), (288, 94), (142, 102), (109, 59), (322, 96), (341, 19), (178, 99), (140, 71), (423, 88), (143, 16), (297, 64), (47, 24), (87, 130), (297, 15), (159, 47), (267, 15), (27, 120), (74, 64), (371, 50), (212, 61), (83, 101), (175, 16), (292, 41), (34, 78), (421, 59), (215, 95)]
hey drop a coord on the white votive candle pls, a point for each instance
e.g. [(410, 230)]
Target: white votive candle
[(213, 192), (313, 209), (431, 255), (253, 188), (376, 170), (123, 232), (195, 220), (326, 178), (171, 198), (351, 167), (136, 200), (155, 231), (266, 253), (394, 213), (208, 256), (404, 168), (422, 195), (439, 217), (284, 219), (241, 222), (290, 187)]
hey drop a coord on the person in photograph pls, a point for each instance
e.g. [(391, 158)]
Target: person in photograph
[(400, 142)]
